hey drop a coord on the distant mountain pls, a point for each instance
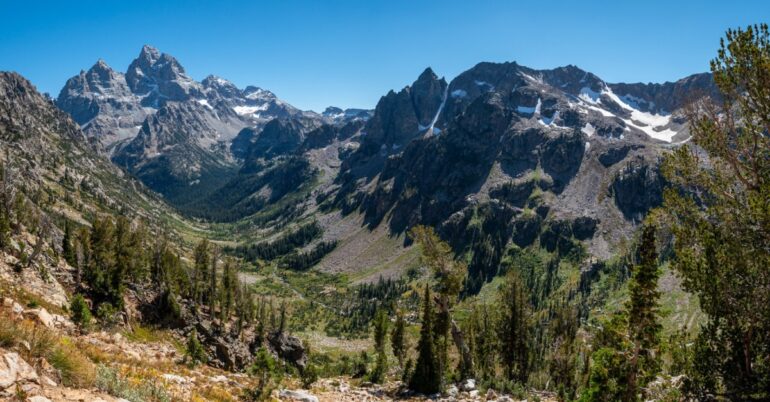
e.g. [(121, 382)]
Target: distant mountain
[(533, 156), (170, 131)]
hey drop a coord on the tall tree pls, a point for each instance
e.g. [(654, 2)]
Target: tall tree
[(398, 338), (380, 333), (68, 250), (642, 312), (514, 329), (718, 210), (200, 269), (426, 377), (448, 276)]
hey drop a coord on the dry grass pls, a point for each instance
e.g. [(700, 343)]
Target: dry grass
[(34, 342)]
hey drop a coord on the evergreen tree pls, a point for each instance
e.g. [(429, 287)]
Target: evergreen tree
[(194, 353), (229, 287), (426, 377), (719, 216), (398, 338), (448, 276), (68, 250), (200, 269), (79, 312), (642, 311), (380, 332), (514, 329)]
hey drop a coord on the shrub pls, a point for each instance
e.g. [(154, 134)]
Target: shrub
[(194, 352), (79, 312), (108, 380), (74, 368)]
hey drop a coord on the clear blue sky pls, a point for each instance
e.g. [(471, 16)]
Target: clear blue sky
[(349, 53)]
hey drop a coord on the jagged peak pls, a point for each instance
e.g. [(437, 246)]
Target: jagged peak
[(149, 53), (100, 66), (215, 80), (427, 74)]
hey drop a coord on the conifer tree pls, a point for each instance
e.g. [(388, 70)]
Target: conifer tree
[(514, 329), (642, 311), (380, 332), (448, 276), (426, 377), (398, 338), (719, 216), (200, 269), (68, 250)]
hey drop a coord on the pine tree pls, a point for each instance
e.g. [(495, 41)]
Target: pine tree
[(426, 377), (718, 214), (398, 338), (229, 287), (514, 329), (448, 276), (200, 269), (213, 292), (194, 351), (380, 332), (642, 312), (79, 312), (68, 250)]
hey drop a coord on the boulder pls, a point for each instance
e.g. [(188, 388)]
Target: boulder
[(469, 385), (13, 370), (288, 348), (297, 395), (40, 315)]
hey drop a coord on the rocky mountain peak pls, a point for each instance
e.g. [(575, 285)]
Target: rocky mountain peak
[(159, 77)]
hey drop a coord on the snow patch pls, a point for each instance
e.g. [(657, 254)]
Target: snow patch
[(489, 86), (247, 110), (459, 93), (588, 129), (589, 95), (431, 128), (204, 102)]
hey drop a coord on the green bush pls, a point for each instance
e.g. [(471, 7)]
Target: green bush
[(79, 312), (194, 353)]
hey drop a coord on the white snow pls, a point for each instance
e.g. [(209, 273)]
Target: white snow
[(539, 80), (489, 86), (205, 102), (651, 124), (431, 128), (588, 145), (246, 110), (589, 129), (459, 93), (589, 95), (548, 121)]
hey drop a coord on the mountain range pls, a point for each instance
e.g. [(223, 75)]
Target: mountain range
[(511, 153)]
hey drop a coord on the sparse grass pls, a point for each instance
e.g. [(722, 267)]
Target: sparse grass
[(109, 380), (75, 369), (34, 341)]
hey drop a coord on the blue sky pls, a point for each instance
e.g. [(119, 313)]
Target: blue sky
[(349, 53)]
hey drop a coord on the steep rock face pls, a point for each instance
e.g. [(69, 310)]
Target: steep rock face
[(669, 96), (178, 151), (102, 103), (399, 118), (536, 156), (637, 188), (158, 77), (43, 148)]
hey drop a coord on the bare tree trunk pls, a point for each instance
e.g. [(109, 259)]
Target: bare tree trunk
[(465, 351)]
